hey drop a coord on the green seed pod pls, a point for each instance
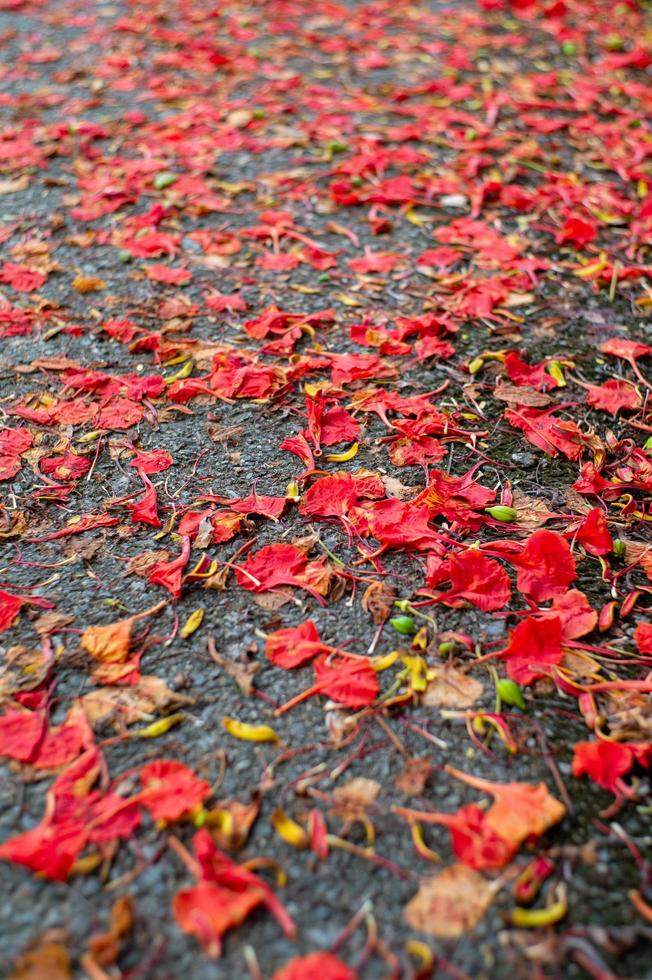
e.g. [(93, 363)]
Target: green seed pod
[(501, 513), (475, 365), (619, 548), (163, 180), (510, 693), (569, 48), (404, 625)]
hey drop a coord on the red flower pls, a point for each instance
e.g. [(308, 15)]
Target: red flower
[(577, 231), (475, 843), (478, 579), (22, 278), (643, 637), (224, 897), (605, 763), (613, 396), (9, 609), (171, 790), (169, 574), (350, 680), (279, 564), (208, 911), (294, 645), (315, 966), (593, 533), (146, 510), (165, 273), (545, 566), (533, 645)]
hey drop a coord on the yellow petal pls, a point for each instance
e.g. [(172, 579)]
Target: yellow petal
[(287, 828), (158, 727), (345, 456), (249, 733), (535, 918), (192, 623)]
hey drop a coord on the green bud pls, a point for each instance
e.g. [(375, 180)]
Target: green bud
[(356, 181), (501, 513), (619, 548), (124, 255), (404, 625), (569, 48), (334, 146), (510, 693), (648, 444), (445, 648), (402, 604), (164, 179), (259, 113)]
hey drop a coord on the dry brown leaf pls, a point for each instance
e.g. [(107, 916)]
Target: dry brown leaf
[(412, 781), (48, 959), (451, 688), (218, 580), (580, 665), (638, 553), (132, 703), (394, 488), (12, 186), (223, 434), (141, 565), (23, 670), (104, 949), (531, 512), (352, 799), (271, 601), (83, 549), (13, 523), (377, 600), (521, 395), (629, 716), (576, 502), (51, 622), (450, 903), (47, 364), (242, 673), (204, 536)]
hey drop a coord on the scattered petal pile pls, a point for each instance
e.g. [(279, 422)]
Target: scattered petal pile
[(326, 450)]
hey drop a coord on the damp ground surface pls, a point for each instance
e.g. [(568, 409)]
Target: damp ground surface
[(302, 210)]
